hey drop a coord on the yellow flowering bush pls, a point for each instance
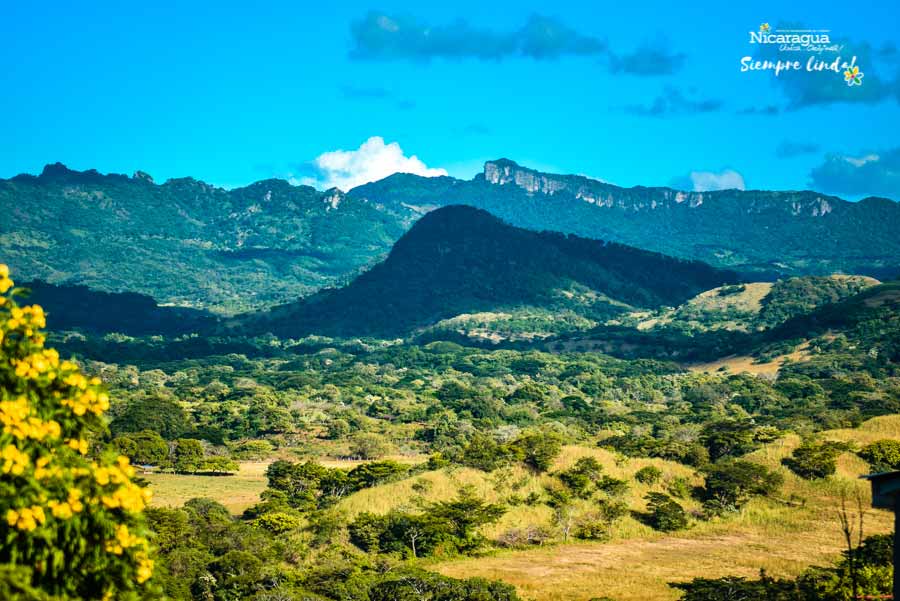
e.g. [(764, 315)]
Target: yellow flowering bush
[(71, 523)]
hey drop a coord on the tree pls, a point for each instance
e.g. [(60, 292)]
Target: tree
[(538, 450), (598, 525), (338, 429), (71, 524), (143, 448), (811, 460), (664, 513), (483, 452), (728, 438), (187, 455), (464, 515), (582, 476), (154, 412), (368, 445), (730, 484), (649, 474)]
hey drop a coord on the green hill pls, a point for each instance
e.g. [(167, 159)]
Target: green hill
[(186, 242), (459, 260)]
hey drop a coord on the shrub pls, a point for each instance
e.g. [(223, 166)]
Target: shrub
[(882, 455), (278, 522), (367, 445), (811, 461), (484, 453), (253, 450), (648, 475), (732, 483), (597, 525), (581, 477), (538, 450), (612, 487), (679, 487), (665, 514), (524, 537), (72, 524)]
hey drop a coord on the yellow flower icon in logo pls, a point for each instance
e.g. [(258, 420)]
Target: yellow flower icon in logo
[(853, 76), (764, 28)]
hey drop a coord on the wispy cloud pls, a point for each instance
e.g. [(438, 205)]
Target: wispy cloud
[(379, 36), (866, 174), (354, 92), (649, 59), (674, 102), (351, 92), (769, 110), (705, 181)]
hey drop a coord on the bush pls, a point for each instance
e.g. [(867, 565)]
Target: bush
[(367, 445), (278, 522), (598, 525), (523, 537), (679, 487), (612, 487), (882, 455), (665, 514), (730, 484), (649, 475), (811, 461), (72, 524), (253, 450), (581, 477), (538, 450)]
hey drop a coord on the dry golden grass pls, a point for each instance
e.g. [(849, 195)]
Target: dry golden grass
[(746, 364), (782, 536), (236, 492), (498, 486)]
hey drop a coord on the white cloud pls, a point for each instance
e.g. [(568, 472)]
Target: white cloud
[(705, 181), (372, 161), (860, 161)]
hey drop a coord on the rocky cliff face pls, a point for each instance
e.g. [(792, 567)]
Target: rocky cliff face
[(504, 172)]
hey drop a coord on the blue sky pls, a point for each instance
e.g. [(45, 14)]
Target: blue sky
[(638, 93)]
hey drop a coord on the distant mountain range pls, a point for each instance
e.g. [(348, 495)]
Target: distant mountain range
[(461, 260), (188, 243), (766, 234)]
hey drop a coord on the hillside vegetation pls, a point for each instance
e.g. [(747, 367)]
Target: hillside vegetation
[(189, 243), (459, 260)]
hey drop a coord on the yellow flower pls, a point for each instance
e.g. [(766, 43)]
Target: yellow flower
[(14, 460), (145, 569), (78, 444), (26, 518)]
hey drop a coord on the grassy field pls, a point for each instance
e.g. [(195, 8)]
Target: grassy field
[(747, 364), (781, 536), (236, 492)]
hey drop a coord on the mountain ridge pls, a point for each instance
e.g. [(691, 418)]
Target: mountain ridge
[(193, 244)]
